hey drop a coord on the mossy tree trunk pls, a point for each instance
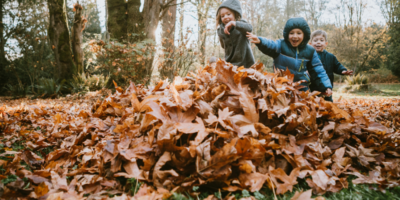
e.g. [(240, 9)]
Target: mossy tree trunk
[(2, 39), (77, 29), (135, 23), (117, 19), (60, 39), (3, 59), (125, 21), (168, 38)]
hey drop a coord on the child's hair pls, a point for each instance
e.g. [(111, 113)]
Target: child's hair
[(219, 20), (319, 32)]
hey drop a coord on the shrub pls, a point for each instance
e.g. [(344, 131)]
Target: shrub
[(85, 83), (357, 80), (17, 91), (355, 84), (49, 88), (124, 62)]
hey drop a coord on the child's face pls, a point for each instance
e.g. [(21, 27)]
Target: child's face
[(226, 15), (319, 43), (296, 36)]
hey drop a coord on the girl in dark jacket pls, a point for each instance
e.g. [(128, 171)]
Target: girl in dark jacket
[(232, 34), (294, 53)]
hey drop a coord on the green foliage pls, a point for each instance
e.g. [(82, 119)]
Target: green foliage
[(124, 62), (177, 196), (17, 91), (49, 88), (84, 83), (10, 178), (134, 185)]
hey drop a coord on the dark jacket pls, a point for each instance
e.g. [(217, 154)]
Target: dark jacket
[(331, 65), (299, 60), (237, 46)]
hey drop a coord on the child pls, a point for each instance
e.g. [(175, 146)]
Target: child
[(232, 34), (294, 53), (319, 40)]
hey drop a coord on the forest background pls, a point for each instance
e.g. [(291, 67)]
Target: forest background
[(51, 47)]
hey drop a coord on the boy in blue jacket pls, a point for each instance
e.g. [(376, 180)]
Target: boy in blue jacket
[(294, 53), (319, 40)]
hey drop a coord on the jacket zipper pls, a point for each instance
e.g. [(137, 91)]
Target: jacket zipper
[(302, 64)]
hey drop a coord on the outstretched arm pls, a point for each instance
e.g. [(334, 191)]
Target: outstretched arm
[(338, 68), (268, 47), (241, 26)]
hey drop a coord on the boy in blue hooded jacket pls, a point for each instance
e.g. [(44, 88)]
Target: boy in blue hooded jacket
[(294, 53)]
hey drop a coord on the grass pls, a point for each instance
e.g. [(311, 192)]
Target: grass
[(353, 192), (379, 90)]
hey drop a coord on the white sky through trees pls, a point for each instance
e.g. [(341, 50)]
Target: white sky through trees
[(372, 14)]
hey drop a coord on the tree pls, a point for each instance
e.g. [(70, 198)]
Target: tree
[(293, 8), (3, 40), (203, 8), (117, 19), (394, 49), (388, 8), (347, 38), (168, 40), (93, 20), (314, 10), (127, 23), (60, 39), (78, 26)]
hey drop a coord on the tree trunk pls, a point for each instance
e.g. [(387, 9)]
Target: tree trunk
[(77, 38), (181, 19), (151, 16), (202, 13), (2, 39), (3, 60), (126, 21), (117, 19), (60, 40), (135, 21), (168, 38), (287, 9)]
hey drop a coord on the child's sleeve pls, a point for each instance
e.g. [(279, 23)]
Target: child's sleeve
[(318, 74), (269, 47), (243, 26), (338, 68)]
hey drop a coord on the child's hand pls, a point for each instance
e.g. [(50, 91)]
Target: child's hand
[(253, 38), (347, 72), (228, 27), (328, 92)]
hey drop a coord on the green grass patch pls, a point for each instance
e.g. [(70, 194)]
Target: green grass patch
[(379, 90), (353, 192)]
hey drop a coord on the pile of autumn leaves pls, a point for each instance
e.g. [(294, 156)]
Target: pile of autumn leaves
[(222, 129)]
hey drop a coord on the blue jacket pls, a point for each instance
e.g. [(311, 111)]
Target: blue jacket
[(298, 60), (331, 65)]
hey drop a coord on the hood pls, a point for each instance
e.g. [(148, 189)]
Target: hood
[(233, 5), (301, 24)]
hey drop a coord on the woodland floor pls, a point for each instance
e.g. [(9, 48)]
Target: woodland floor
[(379, 90), (353, 192)]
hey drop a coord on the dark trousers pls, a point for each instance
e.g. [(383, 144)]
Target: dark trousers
[(329, 98)]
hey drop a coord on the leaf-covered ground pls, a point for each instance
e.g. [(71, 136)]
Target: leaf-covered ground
[(223, 132)]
